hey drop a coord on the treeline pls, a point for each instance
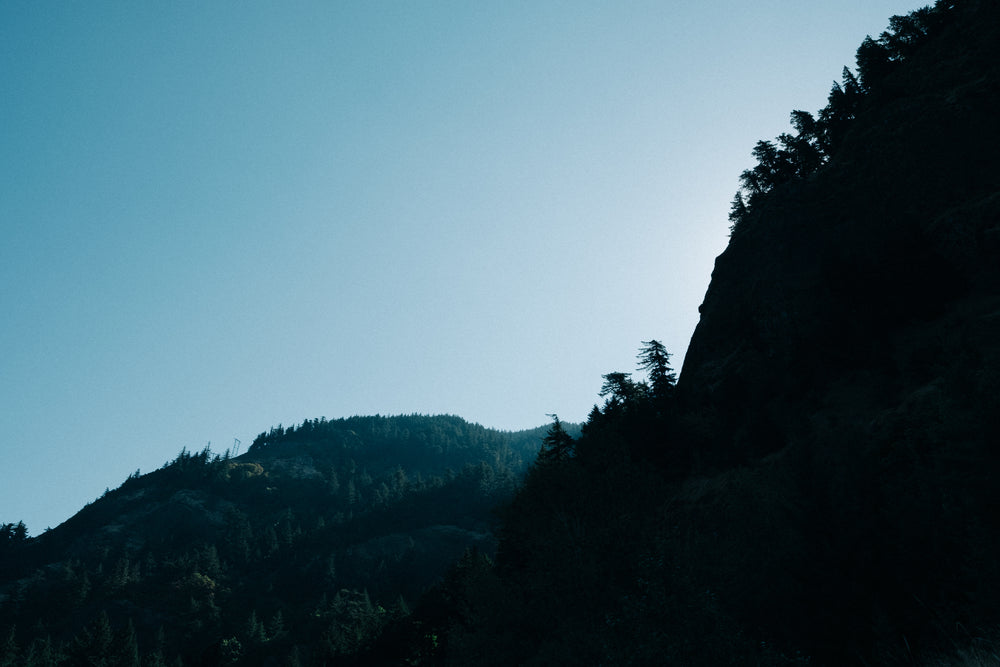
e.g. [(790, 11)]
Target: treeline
[(849, 521), (596, 562), (619, 549), (301, 551), (818, 138), (12, 535), (845, 512)]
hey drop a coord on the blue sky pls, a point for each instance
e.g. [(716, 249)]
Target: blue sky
[(218, 217)]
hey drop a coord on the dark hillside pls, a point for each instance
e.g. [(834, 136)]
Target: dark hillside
[(900, 226), (820, 485), (852, 327), (307, 544)]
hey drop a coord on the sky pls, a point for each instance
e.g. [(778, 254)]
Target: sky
[(220, 217)]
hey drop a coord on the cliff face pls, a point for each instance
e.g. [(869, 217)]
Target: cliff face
[(879, 272), (851, 335)]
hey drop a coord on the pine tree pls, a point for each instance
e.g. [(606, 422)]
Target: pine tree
[(619, 389), (43, 654), (401, 609), (230, 651), (276, 626), (155, 658), (8, 650), (737, 213), (254, 631), (293, 659), (655, 360), (20, 532), (128, 647), (557, 445), (95, 644)]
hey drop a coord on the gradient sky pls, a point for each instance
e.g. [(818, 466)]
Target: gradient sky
[(218, 217)]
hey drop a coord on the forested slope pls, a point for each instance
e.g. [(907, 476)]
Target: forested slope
[(303, 548), (817, 487), (820, 485)]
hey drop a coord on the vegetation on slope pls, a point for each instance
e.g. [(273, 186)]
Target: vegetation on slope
[(302, 549), (818, 487), (820, 484)]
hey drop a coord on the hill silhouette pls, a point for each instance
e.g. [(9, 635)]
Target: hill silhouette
[(323, 530), (817, 487)]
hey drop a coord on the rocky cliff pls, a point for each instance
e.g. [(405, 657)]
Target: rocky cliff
[(849, 350), (880, 271)]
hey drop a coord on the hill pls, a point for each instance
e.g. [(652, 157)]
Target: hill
[(819, 486), (317, 536)]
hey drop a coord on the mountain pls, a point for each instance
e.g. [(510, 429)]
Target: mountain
[(820, 485), (303, 546), (848, 353), (871, 264)]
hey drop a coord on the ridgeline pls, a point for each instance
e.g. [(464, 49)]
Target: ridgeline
[(818, 486)]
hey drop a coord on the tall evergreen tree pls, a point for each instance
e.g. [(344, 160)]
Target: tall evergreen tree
[(128, 647), (95, 645), (43, 654), (8, 649), (619, 390), (557, 445), (655, 360), (155, 658), (20, 532), (737, 213)]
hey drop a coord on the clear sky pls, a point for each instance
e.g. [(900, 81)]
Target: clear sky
[(218, 217)]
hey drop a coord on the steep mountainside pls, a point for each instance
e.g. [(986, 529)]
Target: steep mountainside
[(852, 332), (820, 485), (880, 270)]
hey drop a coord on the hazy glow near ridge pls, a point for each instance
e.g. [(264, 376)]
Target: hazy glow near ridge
[(217, 218)]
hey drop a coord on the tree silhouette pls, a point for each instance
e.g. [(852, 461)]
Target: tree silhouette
[(818, 138), (655, 360), (557, 445), (619, 389)]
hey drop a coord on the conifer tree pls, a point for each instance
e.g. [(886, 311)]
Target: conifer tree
[(620, 390), (254, 631), (293, 659), (557, 445), (276, 626), (8, 650), (230, 651), (20, 532), (737, 213), (128, 647), (655, 360), (95, 644), (155, 658), (43, 654)]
